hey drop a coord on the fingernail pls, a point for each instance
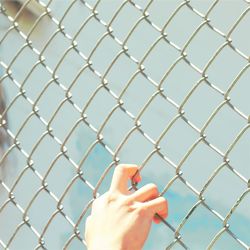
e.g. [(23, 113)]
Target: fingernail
[(138, 178)]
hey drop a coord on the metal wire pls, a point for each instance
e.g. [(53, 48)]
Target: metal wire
[(120, 104)]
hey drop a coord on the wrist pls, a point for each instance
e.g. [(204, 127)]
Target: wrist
[(103, 246)]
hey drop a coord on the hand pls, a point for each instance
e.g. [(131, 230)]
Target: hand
[(120, 219)]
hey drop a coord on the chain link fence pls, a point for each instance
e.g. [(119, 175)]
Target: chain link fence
[(86, 85)]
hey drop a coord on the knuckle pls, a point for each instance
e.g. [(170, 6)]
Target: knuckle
[(111, 197), (105, 199), (153, 188), (121, 168), (162, 199), (142, 211), (164, 202)]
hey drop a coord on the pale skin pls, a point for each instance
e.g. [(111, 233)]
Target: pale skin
[(120, 219)]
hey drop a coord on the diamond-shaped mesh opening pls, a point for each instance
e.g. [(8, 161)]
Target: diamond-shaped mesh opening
[(118, 125), (126, 69), (105, 12), (132, 148), (46, 103), (224, 202), (162, 231), (105, 54), (172, 143), (141, 32), (85, 82), (218, 125), (161, 57), (31, 122), (241, 30), (230, 17), (200, 165), (239, 93), (122, 19), (20, 104), (12, 48), (18, 71), (74, 243), (133, 100), (80, 139), (69, 67), (95, 161), (179, 81), (76, 187), (45, 142), (60, 168), (86, 38), (20, 188), (48, 206), (180, 206), (10, 225), (58, 9), (165, 172), (197, 53), (16, 162), (105, 102), (227, 240), (168, 7), (50, 48), (188, 27), (208, 100), (65, 111), (218, 73), (159, 112), (18, 240), (33, 90), (56, 231), (78, 13), (206, 230), (239, 155), (202, 7), (241, 215)]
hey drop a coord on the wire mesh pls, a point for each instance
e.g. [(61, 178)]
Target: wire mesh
[(91, 84)]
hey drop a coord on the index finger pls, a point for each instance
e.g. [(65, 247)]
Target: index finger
[(158, 205), (123, 173)]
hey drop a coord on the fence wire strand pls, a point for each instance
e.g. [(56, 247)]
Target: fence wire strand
[(100, 139)]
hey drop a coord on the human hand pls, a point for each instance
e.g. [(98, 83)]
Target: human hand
[(120, 219)]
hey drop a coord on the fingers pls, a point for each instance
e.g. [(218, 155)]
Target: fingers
[(158, 205), (157, 219), (122, 174), (145, 193)]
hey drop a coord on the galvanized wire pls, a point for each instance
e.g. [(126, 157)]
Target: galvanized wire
[(159, 91)]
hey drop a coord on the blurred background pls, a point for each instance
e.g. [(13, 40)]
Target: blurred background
[(86, 85)]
